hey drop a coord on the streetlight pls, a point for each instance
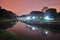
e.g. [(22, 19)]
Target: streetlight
[(28, 18), (47, 18), (33, 17)]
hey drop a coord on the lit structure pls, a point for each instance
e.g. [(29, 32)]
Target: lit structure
[(33, 17), (48, 19), (28, 18)]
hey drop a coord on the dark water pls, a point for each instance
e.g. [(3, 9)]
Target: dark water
[(42, 34)]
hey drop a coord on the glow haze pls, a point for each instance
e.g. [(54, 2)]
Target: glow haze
[(21, 7)]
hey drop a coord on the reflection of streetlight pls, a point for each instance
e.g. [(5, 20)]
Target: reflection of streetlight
[(46, 32), (33, 28)]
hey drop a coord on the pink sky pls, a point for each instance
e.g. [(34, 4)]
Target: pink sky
[(21, 7)]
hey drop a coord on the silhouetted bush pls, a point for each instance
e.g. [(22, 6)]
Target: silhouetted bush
[(4, 35), (7, 18)]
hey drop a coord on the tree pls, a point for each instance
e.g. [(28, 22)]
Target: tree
[(6, 14), (7, 18), (4, 35), (52, 12)]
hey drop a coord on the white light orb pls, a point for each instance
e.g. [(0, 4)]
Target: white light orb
[(33, 28), (33, 17), (28, 18)]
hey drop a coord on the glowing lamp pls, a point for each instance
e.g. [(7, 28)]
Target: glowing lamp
[(28, 18), (46, 18), (33, 17)]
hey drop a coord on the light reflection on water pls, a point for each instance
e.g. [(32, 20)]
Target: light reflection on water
[(20, 29)]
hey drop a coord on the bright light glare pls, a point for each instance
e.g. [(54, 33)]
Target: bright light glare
[(46, 32), (33, 28), (33, 17), (28, 18), (47, 18)]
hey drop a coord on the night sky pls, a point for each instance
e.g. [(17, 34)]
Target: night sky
[(21, 7)]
